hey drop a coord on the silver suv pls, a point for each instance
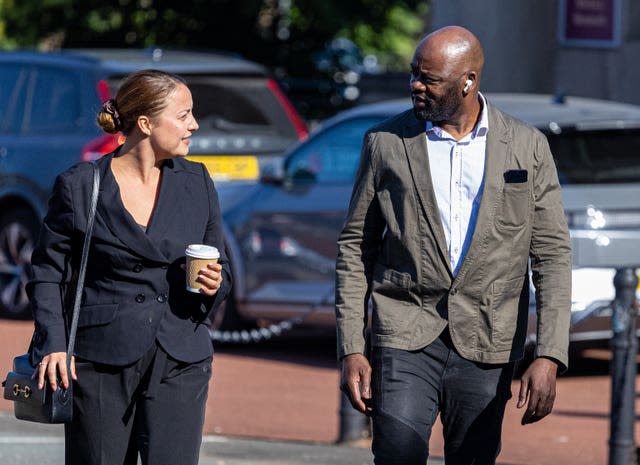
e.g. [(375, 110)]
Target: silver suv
[(596, 146)]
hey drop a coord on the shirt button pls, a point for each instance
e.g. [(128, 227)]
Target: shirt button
[(137, 268), (162, 298), (454, 291), (164, 267), (140, 298)]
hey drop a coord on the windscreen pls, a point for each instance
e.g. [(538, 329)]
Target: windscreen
[(233, 105), (597, 157)]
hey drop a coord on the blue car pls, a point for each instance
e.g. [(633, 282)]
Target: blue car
[(282, 232)]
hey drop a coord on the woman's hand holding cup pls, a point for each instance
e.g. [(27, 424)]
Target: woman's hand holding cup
[(204, 273)]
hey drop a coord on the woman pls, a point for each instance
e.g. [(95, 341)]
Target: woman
[(143, 354)]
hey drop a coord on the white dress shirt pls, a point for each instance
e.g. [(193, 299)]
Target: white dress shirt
[(457, 174)]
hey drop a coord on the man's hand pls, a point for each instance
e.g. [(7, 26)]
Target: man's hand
[(355, 381), (538, 386)]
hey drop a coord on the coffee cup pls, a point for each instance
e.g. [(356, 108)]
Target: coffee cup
[(198, 257)]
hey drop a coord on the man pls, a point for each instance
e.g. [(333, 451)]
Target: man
[(450, 203)]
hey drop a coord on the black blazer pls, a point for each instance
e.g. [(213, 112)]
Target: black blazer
[(135, 286)]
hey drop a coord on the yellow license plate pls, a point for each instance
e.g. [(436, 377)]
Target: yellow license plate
[(241, 167)]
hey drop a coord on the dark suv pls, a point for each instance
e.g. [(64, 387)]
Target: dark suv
[(48, 103)]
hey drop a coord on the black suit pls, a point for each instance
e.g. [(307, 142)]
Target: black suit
[(134, 288), (134, 299)]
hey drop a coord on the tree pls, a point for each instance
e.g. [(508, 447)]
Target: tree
[(293, 38), (278, 33)]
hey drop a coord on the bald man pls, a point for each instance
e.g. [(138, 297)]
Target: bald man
[(451, 202)]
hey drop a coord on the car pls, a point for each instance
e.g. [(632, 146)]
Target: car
[(282, 232), (48, 106)]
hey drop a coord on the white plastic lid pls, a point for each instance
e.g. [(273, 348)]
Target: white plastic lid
[(202, 251)]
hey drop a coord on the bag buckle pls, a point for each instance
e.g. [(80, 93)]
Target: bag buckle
[(25, 391)]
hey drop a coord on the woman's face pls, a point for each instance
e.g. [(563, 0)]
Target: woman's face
[(174, 126)]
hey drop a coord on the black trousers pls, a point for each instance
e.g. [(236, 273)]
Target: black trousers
[(154, 408), (409, 389)]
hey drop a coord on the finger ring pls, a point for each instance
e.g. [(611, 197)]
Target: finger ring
[(40, 364)]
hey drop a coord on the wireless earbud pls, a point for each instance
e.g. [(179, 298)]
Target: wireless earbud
[(467, 85)]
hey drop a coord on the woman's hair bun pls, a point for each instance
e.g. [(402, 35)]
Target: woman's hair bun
[(109, 118)]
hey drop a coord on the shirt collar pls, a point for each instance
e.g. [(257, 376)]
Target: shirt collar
[(479, 131)]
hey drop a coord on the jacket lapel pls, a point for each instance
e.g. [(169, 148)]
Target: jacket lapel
[(119, 221), (415, 143), (495, 163), (170, 205)]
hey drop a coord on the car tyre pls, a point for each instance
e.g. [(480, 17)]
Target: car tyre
[(226, 318), (18, 234), (228, 328)]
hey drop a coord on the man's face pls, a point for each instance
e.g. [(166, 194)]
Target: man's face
[(434, 86)]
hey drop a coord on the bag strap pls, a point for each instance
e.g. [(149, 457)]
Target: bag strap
[(83, 263)]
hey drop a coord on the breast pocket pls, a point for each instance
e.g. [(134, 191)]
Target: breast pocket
[(515, 205)]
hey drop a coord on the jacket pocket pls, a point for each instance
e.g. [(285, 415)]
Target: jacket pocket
[(392, 300), (505, 296), (392, 283), (95, 315), (515, 205)]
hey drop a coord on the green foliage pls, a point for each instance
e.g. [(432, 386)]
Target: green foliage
[(281, 34), (394, 42)]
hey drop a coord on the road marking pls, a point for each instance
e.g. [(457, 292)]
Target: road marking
[(31, 440), (218, 439)]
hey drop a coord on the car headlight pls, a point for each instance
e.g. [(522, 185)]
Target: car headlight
[(596, 219)]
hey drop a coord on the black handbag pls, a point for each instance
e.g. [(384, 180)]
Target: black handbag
[(21, 386)]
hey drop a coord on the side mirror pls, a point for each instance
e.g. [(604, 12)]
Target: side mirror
[(272, 172)]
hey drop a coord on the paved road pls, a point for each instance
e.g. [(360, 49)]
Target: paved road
[(286, 395), (24, 443)]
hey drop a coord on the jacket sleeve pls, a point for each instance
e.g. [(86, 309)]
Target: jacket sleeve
[(213, 236), (50, 271), (358, 250), (550, 260)]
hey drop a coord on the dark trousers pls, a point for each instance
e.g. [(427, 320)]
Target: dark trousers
[(409, 389), (154, 408)]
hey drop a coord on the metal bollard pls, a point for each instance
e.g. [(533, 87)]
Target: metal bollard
[(624, 347), (354, 425)]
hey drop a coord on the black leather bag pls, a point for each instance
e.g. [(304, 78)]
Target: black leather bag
[(31, 403), (21, 386)]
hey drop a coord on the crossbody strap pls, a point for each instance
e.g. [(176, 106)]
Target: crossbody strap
[(83, 263)]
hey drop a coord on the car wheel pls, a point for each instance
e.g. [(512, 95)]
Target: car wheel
[(226, 318), (18, 233)]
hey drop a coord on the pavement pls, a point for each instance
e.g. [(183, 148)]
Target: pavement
[(26, 443)]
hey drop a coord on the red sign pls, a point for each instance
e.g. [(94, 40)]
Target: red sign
[(594, 23)]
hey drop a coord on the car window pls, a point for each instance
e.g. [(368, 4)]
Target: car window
[(597, 157), (332, 155), (225, 107), (226, 104), (52, 101), (12, 89)]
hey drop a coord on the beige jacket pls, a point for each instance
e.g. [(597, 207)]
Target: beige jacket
[(393, 249)]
